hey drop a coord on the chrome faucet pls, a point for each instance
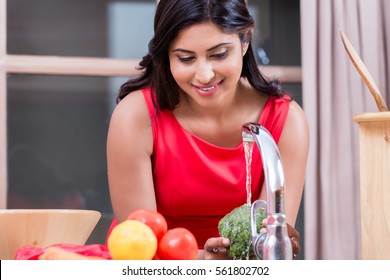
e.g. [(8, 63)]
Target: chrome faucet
[(275, 243)]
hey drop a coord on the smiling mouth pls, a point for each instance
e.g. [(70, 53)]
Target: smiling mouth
[(210, 88)]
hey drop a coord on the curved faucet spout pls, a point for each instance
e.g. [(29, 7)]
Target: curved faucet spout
[(276, 244)]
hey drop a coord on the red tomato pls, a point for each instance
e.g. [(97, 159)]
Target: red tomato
[(153, 219), (178, 244)]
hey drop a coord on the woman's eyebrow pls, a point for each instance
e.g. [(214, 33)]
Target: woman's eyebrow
[(210, 49)]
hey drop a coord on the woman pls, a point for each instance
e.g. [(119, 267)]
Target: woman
[(174, 142)]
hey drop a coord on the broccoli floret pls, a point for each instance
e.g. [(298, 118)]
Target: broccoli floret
[(236, 226)]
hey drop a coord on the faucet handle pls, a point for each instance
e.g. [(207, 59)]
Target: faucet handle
[(257, 204), (257, 238)]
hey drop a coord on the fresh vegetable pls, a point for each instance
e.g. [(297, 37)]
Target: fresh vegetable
[(178, 244), (236, 226), (153, 219)]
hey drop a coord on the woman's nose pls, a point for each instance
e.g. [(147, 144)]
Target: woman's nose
[(204, 73)]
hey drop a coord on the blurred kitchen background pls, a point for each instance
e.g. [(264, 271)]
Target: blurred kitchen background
[(62, 62)]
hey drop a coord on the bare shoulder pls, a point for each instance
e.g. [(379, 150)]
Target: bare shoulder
[(132, 108), (296, 114), (296, 131), (131, 118)]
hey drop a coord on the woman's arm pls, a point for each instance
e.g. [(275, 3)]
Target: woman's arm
[(294, 146), (129, 150)]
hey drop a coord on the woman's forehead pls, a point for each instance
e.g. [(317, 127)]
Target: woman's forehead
[(202, 35)]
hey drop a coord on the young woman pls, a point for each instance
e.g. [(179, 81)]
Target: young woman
[(174, 142)]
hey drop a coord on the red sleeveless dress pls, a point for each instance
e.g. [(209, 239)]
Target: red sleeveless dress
[(197, 183)]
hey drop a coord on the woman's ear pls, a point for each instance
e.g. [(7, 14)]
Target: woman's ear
[(244, 48), (247, 39)]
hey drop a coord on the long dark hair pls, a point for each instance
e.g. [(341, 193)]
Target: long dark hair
[(232, 16)]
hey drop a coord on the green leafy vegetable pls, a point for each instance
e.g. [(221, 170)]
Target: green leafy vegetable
[(236, 226)]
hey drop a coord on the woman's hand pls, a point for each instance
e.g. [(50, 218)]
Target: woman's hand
[(294, 237), (215, 249)]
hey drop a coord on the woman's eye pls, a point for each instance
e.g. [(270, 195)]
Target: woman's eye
[(220, 55), (186, 59)]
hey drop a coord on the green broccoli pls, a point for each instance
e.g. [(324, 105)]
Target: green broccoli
[(236, 226)]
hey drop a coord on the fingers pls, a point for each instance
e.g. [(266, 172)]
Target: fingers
[(265, 224), (295, 247), (215, 248), (292, 232), (214, 245), (294, 237)]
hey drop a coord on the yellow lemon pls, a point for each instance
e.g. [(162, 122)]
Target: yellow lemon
[(132, 240)]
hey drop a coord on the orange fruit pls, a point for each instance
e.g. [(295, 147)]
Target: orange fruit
[(132, 240)]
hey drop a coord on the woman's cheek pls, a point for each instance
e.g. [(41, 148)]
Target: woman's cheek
[(180, 73)]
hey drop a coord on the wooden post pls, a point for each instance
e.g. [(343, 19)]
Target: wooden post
[(374, 135)]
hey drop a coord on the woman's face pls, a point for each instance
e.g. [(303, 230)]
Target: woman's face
[(206, 63)]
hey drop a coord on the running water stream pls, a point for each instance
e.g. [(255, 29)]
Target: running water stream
[(248, 149)]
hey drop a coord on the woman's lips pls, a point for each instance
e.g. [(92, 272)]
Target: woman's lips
[(207, 90)]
